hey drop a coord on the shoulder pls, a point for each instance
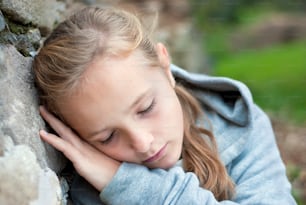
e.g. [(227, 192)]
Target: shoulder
[(228, 105), (229, 98)]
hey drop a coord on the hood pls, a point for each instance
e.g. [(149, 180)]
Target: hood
[(228, 105)]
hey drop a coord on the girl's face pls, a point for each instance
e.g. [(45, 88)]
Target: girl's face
[(129, 110)]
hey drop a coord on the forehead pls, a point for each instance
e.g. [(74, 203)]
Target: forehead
[(117, 74)]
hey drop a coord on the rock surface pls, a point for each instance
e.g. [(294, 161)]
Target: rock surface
[(19, 117), (26, 162), (38, 12), (23, 181)]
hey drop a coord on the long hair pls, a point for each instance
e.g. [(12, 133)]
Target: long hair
[(200, 154), (97, 32)]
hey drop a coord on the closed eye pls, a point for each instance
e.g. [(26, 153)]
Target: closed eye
[(148, 109), (109, 138)]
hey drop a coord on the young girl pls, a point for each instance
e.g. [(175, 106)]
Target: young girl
[(143, 131)]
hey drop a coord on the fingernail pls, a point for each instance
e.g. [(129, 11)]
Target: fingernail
[(43, 132)]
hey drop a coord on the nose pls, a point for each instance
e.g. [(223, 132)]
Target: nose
[(141, 140)]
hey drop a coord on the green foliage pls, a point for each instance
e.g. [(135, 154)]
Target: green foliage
[(275, 75), (211, 14), (294, 173)]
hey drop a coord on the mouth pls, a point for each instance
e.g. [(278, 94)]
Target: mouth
[(158, 155)]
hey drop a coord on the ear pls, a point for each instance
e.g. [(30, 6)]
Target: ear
[(164, 60)]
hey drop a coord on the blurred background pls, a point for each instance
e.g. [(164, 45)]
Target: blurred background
[(261, 43)]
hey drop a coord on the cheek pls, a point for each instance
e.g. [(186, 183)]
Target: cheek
[(113, 152), (178, 119), (171, 116), (119, 150)]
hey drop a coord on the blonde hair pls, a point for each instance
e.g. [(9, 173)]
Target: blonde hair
[(98, 32)]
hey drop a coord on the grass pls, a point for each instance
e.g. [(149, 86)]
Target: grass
[(275, 75)]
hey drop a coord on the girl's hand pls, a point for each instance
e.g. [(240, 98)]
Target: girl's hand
[(97, 168)]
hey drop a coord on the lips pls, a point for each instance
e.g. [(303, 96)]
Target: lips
[(157, 155)]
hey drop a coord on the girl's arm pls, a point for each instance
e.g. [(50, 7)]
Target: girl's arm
[(258, 172), (93, 165)]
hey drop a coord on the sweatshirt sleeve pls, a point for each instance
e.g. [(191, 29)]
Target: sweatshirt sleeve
[(136, 184), (258, 172)]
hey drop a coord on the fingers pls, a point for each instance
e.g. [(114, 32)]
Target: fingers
[(61, 129), (55, 123), (58, 143), (97, 168)]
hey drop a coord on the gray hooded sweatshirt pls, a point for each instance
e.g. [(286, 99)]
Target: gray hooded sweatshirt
[(246, 144)]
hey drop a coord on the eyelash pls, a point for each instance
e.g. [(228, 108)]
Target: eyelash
[(109, 138), (143, 112), (148, 109)]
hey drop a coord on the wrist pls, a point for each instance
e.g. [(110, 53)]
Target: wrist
[(101, 174), (113, 168)]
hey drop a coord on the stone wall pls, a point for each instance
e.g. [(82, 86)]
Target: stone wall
[(29, 168), (26, 162)]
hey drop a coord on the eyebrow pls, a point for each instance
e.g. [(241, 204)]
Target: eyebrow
[(92, 135)]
